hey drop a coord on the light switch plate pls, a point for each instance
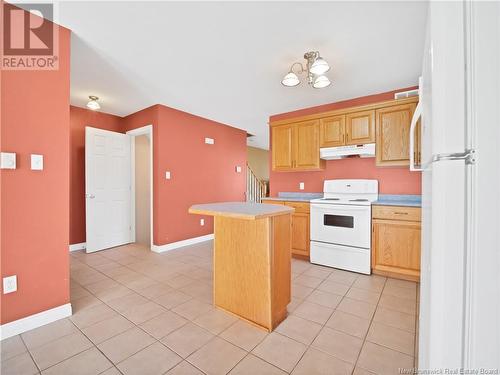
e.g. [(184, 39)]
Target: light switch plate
[(202, 222), (209, 141), (301, 185), (238, 169), (167, 175), (8, 160), (36, 162), (9, 284)]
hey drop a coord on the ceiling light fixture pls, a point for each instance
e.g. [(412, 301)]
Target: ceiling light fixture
[(315, 68), (93, 104)]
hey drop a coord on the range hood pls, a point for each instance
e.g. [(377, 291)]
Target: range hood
[(332, 153)]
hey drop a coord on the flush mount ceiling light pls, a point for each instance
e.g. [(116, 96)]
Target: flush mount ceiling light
[(315, 68), (93, 104)]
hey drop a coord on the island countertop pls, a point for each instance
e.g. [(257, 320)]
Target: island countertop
[(241, 210)]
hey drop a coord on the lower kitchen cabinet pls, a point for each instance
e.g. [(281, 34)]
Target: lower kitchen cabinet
[(300, 227), (396, 242)]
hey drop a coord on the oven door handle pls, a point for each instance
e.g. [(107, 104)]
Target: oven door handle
[(338, 208)]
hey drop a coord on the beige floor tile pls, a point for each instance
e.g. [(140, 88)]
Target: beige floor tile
[(383, 361), (310, 281), (398, 304), (338, 344), (50, 332), (363, 295), (187, 339), (333, 287), (348, 323), (395, 319), (300, 291), (113, 293), (11, 347), (294, 303), (372, 283), (101, 285), (60, 349), (324, 299), (141, 313), (111, 371), (319, 363), (401, 284), (96, 314), (252, 365), (179, 281), (156, 359), (192, 309), (20, 364), (343, 277), (88, 362), (299, 329), (318, 271), (215, 321), (172, 299), (405, 292), (154, 290), (391, 337), (313, 312), (83, 303), (300, 266), (124, 303), (362, 371), (108, 328), (125, 344), (184, 368), (244, 335), (217, 357), (78, 292), (358, 308), (280, 351), (163, 324)]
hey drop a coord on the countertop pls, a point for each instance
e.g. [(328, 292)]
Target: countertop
[(398, 200), (294, 197), (242, 210)]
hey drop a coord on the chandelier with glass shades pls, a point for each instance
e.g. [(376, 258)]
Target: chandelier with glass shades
[(316, 67)]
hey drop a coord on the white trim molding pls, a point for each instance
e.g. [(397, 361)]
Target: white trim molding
[(34, 321), (175, 245), (78, 246)]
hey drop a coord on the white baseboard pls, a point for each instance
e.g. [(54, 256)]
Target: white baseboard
[(34, 321), (78, 246), (175, 245)]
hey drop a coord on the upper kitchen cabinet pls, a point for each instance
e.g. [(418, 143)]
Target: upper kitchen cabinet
[(332, 131), (296, 146), (360, 128), (393, 135)]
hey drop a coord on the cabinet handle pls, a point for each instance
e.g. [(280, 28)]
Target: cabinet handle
[(400, 213)]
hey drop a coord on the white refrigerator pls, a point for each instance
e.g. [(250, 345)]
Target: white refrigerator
[(459, 310)]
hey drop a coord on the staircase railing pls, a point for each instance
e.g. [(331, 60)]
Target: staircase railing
[(256, 189)]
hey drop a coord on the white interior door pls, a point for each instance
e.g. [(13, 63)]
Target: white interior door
[(107, 189)]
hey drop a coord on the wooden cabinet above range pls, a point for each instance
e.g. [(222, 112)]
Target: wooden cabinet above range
[(296, 142)]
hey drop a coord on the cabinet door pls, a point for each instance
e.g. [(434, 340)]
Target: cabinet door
[(396, 248), (332, 131), (360, 127), (393, 135), (306, 142), (300, 234), (282, 146)]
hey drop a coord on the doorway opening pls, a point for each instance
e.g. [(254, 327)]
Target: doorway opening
[(141, 144)]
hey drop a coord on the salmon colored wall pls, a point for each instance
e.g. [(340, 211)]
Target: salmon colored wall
[(35, 204), (391, 180), (201, 173), (79, 119)]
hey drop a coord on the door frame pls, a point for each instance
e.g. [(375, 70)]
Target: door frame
[(144, 130)]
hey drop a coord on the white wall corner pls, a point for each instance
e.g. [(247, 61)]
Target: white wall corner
[(175, 245), (78, 246), (34, 321)]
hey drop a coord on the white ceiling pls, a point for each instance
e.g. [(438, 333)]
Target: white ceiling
[(224, 61)]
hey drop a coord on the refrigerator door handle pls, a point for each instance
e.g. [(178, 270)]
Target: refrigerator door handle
[(413, 126), (469, 156)]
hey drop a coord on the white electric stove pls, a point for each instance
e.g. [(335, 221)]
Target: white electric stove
[(341, 225)]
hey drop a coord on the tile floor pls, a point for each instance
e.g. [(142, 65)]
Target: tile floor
[(138, 312)]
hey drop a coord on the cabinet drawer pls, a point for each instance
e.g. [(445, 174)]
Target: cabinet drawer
[(396, 213), (299, 206), (272, 202)]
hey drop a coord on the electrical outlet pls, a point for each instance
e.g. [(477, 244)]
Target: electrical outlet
[(202, 222), (301, 186), (167, 175), (36, 162), (209, 141), (9, 284), (238, 169), (8, 160)]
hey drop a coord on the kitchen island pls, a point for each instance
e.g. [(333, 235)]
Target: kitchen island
[(252, 259)]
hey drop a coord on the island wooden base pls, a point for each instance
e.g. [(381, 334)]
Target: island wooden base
[(252, 268)]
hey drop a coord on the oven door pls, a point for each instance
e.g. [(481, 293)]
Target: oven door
[(347, 225)]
